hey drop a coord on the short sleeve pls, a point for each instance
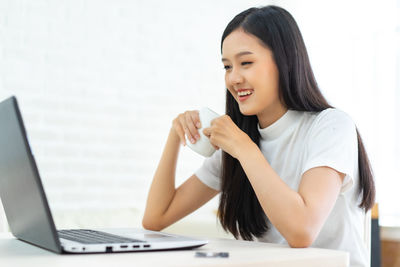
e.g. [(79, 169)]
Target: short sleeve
[(211, 171), (332, 142)]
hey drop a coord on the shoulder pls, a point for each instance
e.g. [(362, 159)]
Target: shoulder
[(334, 119), (330, 127)]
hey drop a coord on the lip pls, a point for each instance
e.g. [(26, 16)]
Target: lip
[(243, 98), (244, 89)]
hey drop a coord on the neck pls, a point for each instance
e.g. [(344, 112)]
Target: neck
[(269, 116)]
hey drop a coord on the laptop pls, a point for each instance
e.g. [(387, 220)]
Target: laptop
[(28, 213)]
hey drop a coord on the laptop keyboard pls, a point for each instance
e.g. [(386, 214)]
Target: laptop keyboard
[(93, 237)]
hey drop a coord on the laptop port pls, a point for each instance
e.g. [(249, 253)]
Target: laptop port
[(136, 246), (109, 249), (146, 246), (124, 246)]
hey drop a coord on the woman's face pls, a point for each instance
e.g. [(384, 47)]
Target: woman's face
[(252, 77)]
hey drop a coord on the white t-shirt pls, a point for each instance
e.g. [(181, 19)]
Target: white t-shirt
[(297, 142)]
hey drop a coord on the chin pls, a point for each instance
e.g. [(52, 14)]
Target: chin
[(246, 111)]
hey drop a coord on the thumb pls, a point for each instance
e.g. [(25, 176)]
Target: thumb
[(207, 132)]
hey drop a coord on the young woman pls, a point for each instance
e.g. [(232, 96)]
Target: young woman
[(289, 167)]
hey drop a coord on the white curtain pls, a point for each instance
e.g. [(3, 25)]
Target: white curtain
[(355, 52)]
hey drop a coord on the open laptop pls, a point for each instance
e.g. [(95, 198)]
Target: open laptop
[(28, 212)]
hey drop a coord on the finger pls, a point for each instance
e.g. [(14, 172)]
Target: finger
[(207, 132), (194, 133), (185, 128), (212, 140), (213, 121), (181, 133), (196, 119)]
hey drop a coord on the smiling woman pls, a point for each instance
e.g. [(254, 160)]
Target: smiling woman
[(97, 90), (290, 168)]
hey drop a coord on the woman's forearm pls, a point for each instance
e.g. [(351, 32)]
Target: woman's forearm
[(297, 215), (284, 206), (162, 189)]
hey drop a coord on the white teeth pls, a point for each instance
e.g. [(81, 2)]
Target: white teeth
[(243, 93)]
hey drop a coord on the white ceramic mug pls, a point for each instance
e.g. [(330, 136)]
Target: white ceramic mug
[(203, 145)]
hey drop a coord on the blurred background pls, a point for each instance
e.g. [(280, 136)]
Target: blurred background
[(99, 83)]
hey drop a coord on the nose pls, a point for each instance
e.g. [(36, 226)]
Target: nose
[(235, 77)]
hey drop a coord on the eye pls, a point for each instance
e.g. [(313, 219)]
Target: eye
[(227, 67), (246, 63)]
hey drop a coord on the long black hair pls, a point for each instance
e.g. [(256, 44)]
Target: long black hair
[(239, 209)]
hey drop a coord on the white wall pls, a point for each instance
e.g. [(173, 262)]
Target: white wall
[(99, 83)]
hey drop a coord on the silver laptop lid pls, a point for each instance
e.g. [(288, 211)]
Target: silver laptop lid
[(21, 190)]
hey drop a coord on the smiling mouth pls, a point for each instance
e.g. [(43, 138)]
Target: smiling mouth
[(242, 95)]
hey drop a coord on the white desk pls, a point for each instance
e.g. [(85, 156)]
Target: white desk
[(241, 253)]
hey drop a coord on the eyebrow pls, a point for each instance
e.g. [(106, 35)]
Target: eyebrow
[(239, 54)]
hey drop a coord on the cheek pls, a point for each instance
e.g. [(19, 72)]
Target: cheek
[(269, 81), (273, 75), (271, 90)]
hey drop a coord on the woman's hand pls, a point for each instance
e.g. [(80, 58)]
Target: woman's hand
[(187, 123), (223, 133)]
